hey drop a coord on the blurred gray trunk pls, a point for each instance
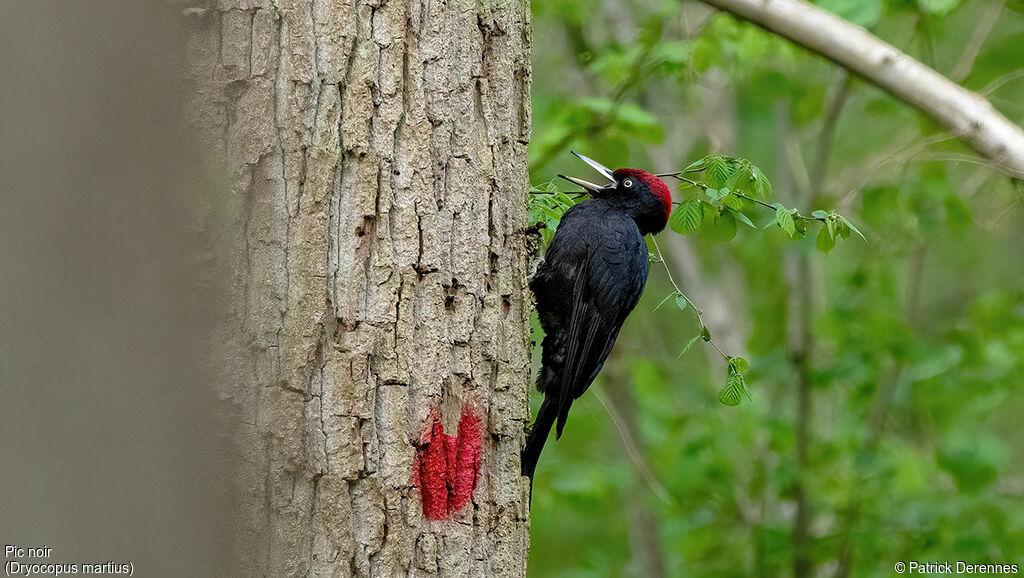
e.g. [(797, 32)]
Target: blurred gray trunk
[(373, 215)]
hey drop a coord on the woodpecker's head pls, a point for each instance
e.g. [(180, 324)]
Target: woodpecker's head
[(642, 194)]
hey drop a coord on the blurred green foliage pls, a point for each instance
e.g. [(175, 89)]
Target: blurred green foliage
[(912, 358)]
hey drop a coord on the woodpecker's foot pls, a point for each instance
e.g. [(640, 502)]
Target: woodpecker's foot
[(533, 274)]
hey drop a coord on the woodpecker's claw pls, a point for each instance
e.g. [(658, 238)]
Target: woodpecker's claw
[(533, 275)]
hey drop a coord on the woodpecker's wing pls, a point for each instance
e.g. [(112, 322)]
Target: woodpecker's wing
[(605, 288)]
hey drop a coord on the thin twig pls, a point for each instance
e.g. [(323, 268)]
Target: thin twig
[(633, 451), (739, 194), (970, 52), (835, 109), (952, 157), (901, 154), (696, 310), (999, 82)]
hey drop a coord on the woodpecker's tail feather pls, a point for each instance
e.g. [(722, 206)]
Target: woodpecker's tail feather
[(539, 434)]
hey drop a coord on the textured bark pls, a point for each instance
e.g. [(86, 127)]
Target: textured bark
[(375, 154)]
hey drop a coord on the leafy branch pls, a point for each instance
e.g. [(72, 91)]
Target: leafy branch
[(735, 385), (547, 205), (727, 186)]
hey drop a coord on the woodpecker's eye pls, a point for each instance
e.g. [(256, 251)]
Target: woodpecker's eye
[(628, 183)]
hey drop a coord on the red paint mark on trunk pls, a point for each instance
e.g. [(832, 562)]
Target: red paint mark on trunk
[(467, 460), (432, 460), (447, 467)]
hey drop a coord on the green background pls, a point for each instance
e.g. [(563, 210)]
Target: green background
[(912, 370)]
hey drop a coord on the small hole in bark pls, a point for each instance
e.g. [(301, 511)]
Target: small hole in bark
[(362, 229), (451, 291), (235, 88)]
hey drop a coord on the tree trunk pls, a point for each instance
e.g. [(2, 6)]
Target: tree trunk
[(375, 156)]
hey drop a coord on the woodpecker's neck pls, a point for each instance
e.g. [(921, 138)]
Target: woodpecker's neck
[(646, 211), (651, 219)]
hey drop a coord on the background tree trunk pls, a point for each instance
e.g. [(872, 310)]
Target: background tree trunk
[(375, 156)]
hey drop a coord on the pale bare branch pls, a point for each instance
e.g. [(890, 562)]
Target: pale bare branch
[(966, 114)]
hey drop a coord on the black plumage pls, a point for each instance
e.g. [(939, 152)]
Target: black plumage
[(591, 279)]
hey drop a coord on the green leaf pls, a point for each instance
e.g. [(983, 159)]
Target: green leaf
[(819, 214), (742, 218), (784, 218), (732, 201), (704, 333), (762, 186), (740, 179), (716, 194), (739, 363), (732, 393), (687, 217), (553, 212), (825, 241), (665, 300), (718, 172), (681, 302), (689, 344), (564, 199), (674, 53), (697, 165), (843, 230), (852, 227)]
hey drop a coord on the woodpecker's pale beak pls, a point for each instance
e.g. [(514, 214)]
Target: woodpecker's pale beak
[(590, 187), (605, 171)]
